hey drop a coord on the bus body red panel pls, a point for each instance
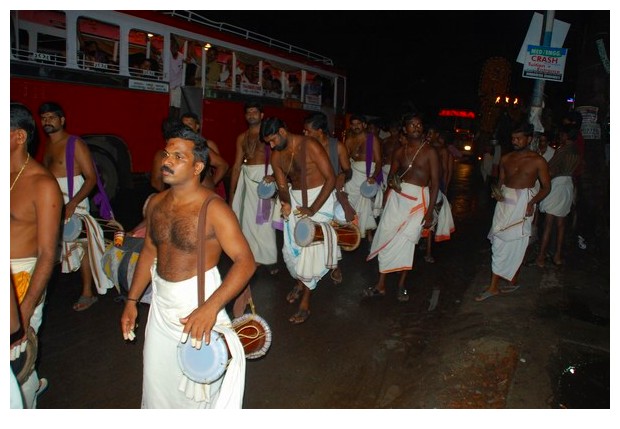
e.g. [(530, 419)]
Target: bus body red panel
[(136, 118)]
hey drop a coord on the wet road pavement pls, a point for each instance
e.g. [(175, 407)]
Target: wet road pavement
[(506, 352)]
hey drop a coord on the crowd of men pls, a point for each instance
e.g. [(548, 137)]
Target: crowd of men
[(392, 191)]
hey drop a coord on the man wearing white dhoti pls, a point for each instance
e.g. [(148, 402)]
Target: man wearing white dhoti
[(511, 227), (69, 160), (414, 179), (170, 258), (36, 209), (557, 205), (365, 153), (304, 161), (251, 166)]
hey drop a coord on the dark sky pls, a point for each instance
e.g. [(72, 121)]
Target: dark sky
[(428, 59)]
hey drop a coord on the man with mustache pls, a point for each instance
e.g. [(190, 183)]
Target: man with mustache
[(517, 198), (83, 254), (169, 260), (305, 162)]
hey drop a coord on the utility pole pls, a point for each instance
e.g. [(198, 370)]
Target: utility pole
[(539, 85)]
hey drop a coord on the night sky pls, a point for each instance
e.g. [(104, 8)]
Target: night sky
[(425, 59)]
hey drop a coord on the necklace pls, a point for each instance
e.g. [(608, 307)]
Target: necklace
[(412, 159), (20, 171)]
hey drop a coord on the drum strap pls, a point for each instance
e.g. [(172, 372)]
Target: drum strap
[(200, 273), (302, 168)]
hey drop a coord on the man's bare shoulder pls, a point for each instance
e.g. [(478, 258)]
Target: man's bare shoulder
[(40, 181)]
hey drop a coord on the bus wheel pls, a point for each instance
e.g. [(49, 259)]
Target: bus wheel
[(107, 171)]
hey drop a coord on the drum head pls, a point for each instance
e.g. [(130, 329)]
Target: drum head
[(266, 190), (304, 232), (207, 364), (254, 334), (72, 229), (369, 190)]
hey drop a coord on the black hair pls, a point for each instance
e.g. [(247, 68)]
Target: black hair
[(525, 128), (318, 121), (51, 107), (358, 117), (271, 126), (181, 131), (572, 131), (191, 115), (409, 116), (21, 119), (253, 104)]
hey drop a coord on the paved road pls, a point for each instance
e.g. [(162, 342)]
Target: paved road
[(354, 354)]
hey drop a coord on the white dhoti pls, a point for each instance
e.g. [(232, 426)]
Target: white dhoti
[(256, 225), (560, 198), (72, 252), (164, 385), (510, 231), (400, 228), (309, 264), (21, 271), (443, 222), (386, 173), (366, 208)]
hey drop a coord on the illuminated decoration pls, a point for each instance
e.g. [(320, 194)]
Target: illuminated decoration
[(457, 113)]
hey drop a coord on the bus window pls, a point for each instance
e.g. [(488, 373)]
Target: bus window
[(313, 89), (98, 42), (193, 67), (144, 54), (272, 80), (247, 74), (224, 65), (42, 37), (293, 85)]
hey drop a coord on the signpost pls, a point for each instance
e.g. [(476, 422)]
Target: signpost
[(545, 62)]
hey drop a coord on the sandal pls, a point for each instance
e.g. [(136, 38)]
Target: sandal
[(84, 303), (300, 317), (336, 275), (294, 294), (372, 292)]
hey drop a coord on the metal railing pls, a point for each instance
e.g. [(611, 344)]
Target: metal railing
[(248, 35)]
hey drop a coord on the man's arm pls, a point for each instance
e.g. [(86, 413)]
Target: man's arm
[(217, 162), (87, 168), (236, 168), (141, 277), (433, 162), (345, 166), (281, 182), (376, 157), (48, 204), (545, 185)]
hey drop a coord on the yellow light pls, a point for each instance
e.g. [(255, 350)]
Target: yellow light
[(497, 99), (149, 35), (467, 147), (516, 101), (207, 46), (507, 100)]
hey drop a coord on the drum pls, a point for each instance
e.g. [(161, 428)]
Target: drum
[(72, 229), (254, 333), (207, 364), (266, 190), (307, 232), (24, 365), (369, 190), (119, 264)]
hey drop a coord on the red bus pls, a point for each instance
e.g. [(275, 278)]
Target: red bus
[(109, 72)]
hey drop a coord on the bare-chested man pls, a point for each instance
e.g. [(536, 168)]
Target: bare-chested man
[(414, 178), (294, 155), (76, 255), (316, 125), (169, 260), (512, 220), (36, 208), (365, 153), (252, 165)]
